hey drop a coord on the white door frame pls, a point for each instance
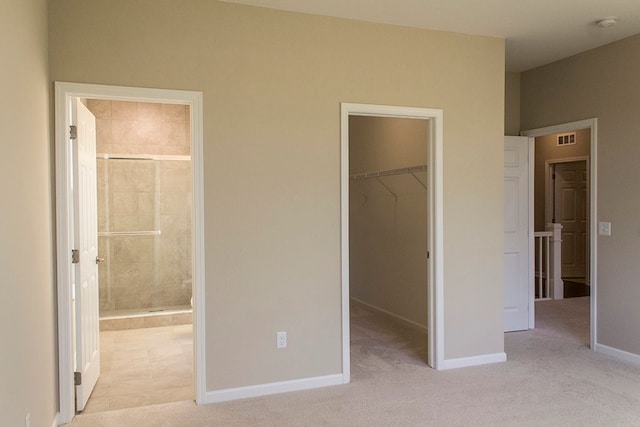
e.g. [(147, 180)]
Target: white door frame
[(435, 306), (64, 224), (592, 125)]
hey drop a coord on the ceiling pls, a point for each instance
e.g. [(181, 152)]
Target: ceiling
[(537, 32)]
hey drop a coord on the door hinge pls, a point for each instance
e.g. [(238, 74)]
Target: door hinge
[(73, 132), (75, 256), (428, 255), (77, 378)]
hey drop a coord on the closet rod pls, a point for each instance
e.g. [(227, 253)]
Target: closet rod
[(389, 172)]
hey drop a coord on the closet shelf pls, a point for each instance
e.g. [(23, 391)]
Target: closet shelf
[(389, 172)]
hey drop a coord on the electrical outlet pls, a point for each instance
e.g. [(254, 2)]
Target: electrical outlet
[(604, 228), (281, 339), (27, 420)]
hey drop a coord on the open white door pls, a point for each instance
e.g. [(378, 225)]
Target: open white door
[(516, 234), (87, 329)]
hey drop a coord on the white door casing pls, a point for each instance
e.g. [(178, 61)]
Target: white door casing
[(65, 92), (570, 210), (516, 234), (592, 125), (87, 326)]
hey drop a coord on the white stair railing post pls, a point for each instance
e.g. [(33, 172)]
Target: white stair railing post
[(555, 270)]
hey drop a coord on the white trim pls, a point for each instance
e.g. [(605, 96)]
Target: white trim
[(618, 354), (464, 362), (55, 420), (592, 125), (435, 315), (272, 388), (395, 316), (64, 224), (530, 189)]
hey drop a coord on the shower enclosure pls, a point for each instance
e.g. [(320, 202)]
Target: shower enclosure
[(144, 223)]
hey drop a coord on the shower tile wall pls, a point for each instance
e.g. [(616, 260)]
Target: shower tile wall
[(143, 272)]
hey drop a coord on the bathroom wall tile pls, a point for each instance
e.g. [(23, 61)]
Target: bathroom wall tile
[(123, 178), (124, 110), (172, 202), (148, 111), (104, 134), (147, 222), (124, 203), (125, 223), (173, 150), (101, 108), (145, 176), (174, 133), (175, 179), (123, 149), (150, 133), (125, 276), (124, 133), (176, 225), (174, 112), (146, 203)]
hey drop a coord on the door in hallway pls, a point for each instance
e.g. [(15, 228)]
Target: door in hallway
[(570, 210)]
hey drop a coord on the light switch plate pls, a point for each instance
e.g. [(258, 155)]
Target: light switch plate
[(604, 228)]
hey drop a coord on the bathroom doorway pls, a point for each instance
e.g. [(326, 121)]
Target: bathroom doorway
[(144, 211), (147, 194)]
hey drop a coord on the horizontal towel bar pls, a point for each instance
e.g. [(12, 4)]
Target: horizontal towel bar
[(129, 233)]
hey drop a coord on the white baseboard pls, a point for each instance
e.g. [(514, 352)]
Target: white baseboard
[(272, 388), (55, 420), (464, 362), (390, 314), (617, 353)]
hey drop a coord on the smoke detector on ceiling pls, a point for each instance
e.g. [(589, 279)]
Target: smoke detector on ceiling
[(607, 22)]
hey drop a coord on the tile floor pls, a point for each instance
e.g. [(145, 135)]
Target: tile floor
[(142, 367)]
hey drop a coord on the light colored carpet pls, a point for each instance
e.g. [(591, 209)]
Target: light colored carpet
[(551, 378)]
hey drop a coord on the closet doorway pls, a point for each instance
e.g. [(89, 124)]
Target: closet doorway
[(391, 234)]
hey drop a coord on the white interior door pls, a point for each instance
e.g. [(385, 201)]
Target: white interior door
[(87, 330), (516, 234), (570, 210)]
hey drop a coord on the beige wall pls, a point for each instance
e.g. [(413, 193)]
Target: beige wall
[(27, 318), (272, 83), (546, 148), (512, 104), (603, 83), (387, 236)]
